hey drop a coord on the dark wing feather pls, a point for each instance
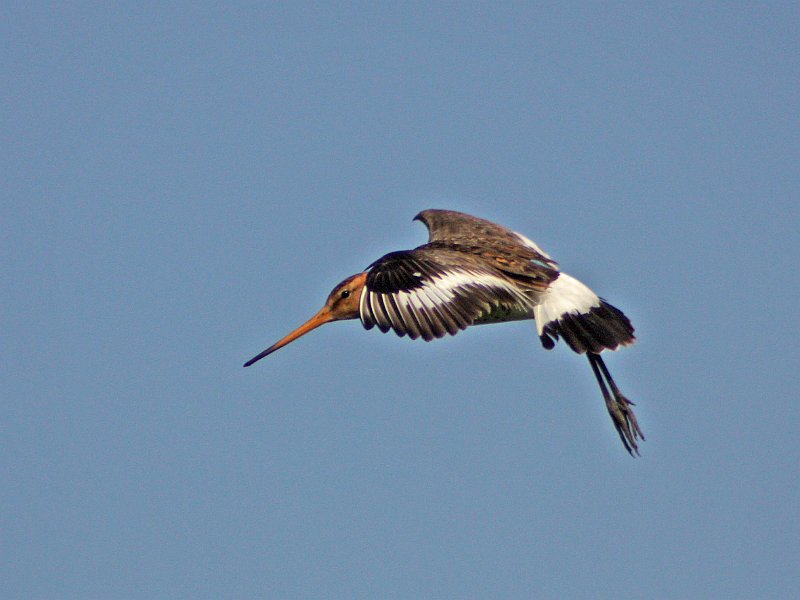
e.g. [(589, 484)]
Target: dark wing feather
[(431, 293)]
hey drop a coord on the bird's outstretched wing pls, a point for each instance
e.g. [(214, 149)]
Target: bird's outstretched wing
[(504, 249), (432, 292)]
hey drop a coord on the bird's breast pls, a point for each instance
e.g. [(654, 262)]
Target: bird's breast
[(504, 313)]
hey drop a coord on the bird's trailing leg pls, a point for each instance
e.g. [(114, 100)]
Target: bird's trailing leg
[(619, 407)]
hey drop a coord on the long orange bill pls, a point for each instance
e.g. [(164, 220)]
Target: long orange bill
[(322, 317)]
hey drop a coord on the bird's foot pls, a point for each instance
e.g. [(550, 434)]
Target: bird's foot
[(621, 411)]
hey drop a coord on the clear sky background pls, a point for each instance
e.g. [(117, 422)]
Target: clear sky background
[(183, 184)]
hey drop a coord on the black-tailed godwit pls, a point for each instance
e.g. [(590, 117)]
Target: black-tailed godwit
[(472, 272)]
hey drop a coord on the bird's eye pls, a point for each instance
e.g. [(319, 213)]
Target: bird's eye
[(345, 294)]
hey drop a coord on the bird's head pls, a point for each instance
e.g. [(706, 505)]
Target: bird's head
[(342, 303)]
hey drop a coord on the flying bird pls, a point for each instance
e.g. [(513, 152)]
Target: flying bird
[(472, 272)]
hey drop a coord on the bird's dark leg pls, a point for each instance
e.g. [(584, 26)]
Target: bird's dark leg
[(619, 407)]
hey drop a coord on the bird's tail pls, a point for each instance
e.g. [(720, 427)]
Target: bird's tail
[(569, 309)]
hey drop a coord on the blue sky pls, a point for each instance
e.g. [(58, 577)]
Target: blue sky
[(183, 184)]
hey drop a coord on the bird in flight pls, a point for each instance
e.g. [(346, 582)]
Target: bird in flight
[(472, 272)]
